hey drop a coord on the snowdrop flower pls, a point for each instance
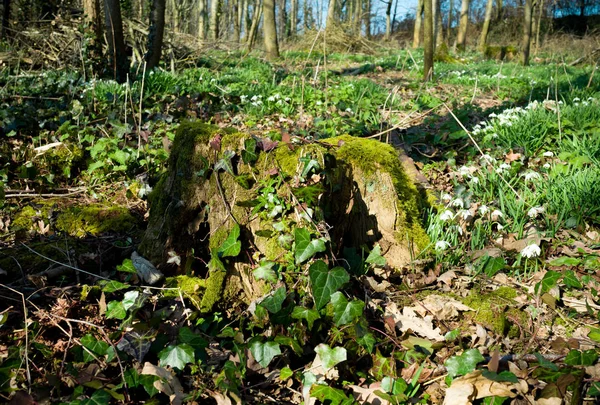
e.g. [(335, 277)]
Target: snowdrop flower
[(483, 209), (446, 215), (466, 215), (534, 212), (531, 176), (548, 154), (349, 110), (441, 245), (243, 98), (502, 168), (458, 229), (271, 98), (493, 115), (547, 166), (446, 197), (464, 171), (500, 227), (576, 100), (254, 98), (496, 214), (531, 251), (487, 158), (319, 102), (458, 203), (475, 180)]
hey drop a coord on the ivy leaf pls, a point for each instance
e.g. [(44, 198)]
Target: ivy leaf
[(328, 395), (285, 373), (565, 261), (375, 257), (345, 312), (585, 358), (382, 366), (306, 247), (265, 272), (594, 334), (95, 346), (548, 282), (309, 315), (127, 266), (292, 343), (115, 310), (112, 286), (571, 280), (249, 153), (325, 282), (264, 352), (463, 364), (99, 397), (274, 301), (330, 357), (136, 344), (176, 356), (225, 163), (130, 298), (231, 247)]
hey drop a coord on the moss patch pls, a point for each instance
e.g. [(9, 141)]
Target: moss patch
[(95, 219), (491, 309), (191, 288)]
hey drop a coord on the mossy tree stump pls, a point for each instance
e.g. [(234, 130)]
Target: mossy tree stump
[(352, 192)]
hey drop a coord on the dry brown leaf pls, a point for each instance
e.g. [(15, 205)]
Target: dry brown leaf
[(474, 386), (168, 383), (512, 156), (442, 307), (367, 395), (409, 320), (447, 277)]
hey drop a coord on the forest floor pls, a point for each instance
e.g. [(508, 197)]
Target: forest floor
[(501, 306)]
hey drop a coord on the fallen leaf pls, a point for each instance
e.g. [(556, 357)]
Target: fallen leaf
[(440, 306), (512, 156), (465, 390), (367, 395), (168, 383), (409, 320)]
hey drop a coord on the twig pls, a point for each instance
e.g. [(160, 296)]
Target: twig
[(403, 122)]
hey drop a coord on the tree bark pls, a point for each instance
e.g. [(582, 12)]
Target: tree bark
[(439, 28), (537, 26), (270, 30), (215, 10), (331, 17), (428, 40), (256, 16), (499, 9), (526, 41), (418, 21), (4, 33), (450, 17), (367, 17), (116, 43), (461, 37), (294, 18), (388, 21), (156, 33), (235, 5), (201, 20), (486, 25)]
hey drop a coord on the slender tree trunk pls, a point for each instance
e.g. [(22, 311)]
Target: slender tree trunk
[(256, 16), (235, 5), (201, 19), (439, 27), (156, 33), (270, 30), (331, 10), (294, 18), (5, 33), (526, 41), (418, 20), (499, 9), (450, 21), (356, 16), (243, 6), (461, 37), (116, 43), (93, 16), (215, 10), (428, 38), (388, 21), (368, 18), (281, 19), (537, 26), (486, 25)]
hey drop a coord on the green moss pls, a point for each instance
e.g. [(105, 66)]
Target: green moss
[(218, 237), (491, 309), (500, 52), (214, 289), (24, 220), (95, 219), (272, 249), (288, 160), (190, 287)]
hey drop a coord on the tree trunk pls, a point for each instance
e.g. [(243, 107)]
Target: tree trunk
[(93, 17), (486, 24), (450, 17), (331, 17), (388, 21), (235, 5), (243, 6), (537, 26), (4, 33), (270, 30), (294, 18), (156, 33), (201, 20), (256, 16), (461, 37), (439, 28), (418, 22), (428, 38), (526, 42), (116, 43), (215, 10), (281, 19), (367, 18), (499, 9)]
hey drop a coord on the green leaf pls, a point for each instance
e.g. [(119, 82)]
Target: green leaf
[(330, 357), (394, 386), (305, 246), (505, 376), (99, 397), (98, 347), (375, 257), (265, 272), (273, 302), (452, 335), (493, 265), (325, 282), (544, 363), (345, 312), (264, 352), (176, 356), (231, 247), (112, 286), (594, 334), (285, 373), (115, 310), (565, 261), (309, 315), (249, 152), (329, 395), (290, 342), (127, 266), (578, 358), (548, 282), (197, 342), (594, 390), (130, 299), (382, 366), (147, 381), (571, 280), (463, 364)]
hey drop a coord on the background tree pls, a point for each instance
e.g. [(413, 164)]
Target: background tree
[(156, 33), (388, 20), (428, 40), (526, 42), (5, 19), (486, 24), (461, 36), (119, 63), (270, 30), (331, 13), (215, 10), (417, 30)]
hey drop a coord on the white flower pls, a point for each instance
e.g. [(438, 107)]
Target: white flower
[(475, 180), (458, 202), (487, 158), (243, 98), (493, 115), (441, 245), (497, 214), (548, 153), (483, 209), (500, 227), (534, 212), (464, 170), (502, 168), (446, 215), (446, 197), (271, 98), (458, 229), (466, 215), (576, 100), (349, 110), (547, 166), (531, 176), (530, 251)]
